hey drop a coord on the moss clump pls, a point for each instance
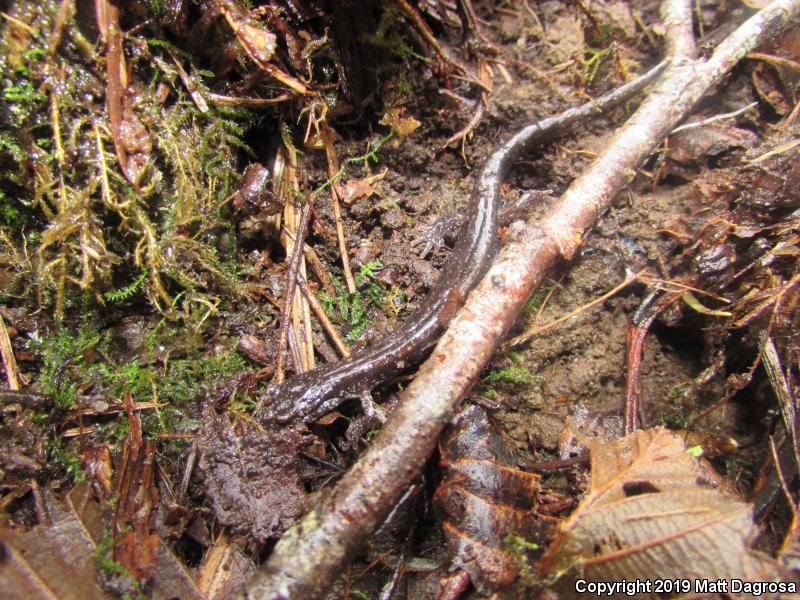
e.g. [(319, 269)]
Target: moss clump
[(355, 309), (65, 356), (82, 362), (515, 375), (71, 220)]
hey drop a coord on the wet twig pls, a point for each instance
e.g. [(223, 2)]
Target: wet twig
[(333, 169), (677, 18), (9, 361), (323, 319), (653, 305), (308, 558), (288, 300)]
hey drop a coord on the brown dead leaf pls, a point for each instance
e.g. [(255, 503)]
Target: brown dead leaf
[(251, 473), (257, 41), (98, 466), (135, 139), (654, 511), (403, 126), (360, 188), (60, 561), (483, 500), (704, 142), (57, 561), (255, 349)]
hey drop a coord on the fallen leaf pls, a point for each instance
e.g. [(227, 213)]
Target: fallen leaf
[(483, 500), (654, 511), (57, 561), (136, 140), (403, 126), (251, 473), (60, 561), (360, 188), (257, 41), (255, 349), (98, 466), (225, 569)]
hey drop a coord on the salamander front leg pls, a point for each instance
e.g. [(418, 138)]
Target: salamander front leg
[(373, 415), (372, 412)]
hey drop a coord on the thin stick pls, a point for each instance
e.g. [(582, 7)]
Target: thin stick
[(781, 478), (537, 329), (249, 102), (333, 169), (653, 304), (775, 60), (319, 312), (715, 118), (319, 269), (465, 131), (288, 299), (301, 314), (65, 12)]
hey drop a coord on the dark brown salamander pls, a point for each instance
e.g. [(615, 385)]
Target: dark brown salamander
[(310, 395)]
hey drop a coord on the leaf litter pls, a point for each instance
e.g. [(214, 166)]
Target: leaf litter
[(251, 474), (652, 507)]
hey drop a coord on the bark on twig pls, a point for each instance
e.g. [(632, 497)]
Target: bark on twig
[(309, 557), (677, 18), (9, 361)]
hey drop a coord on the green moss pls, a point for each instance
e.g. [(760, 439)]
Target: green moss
[(515, 375), (355, 309), (535, 302), (60, 181), (120, 295), (64, 355), (520, 548), (595, 58), (64, 461), (75, 359), (371, 155), (389, 36), (103, 554), (187, 380)]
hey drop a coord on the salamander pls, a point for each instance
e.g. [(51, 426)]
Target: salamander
[(312, 394)]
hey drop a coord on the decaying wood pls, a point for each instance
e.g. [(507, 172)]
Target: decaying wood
[(309, 557), (136, 540)]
